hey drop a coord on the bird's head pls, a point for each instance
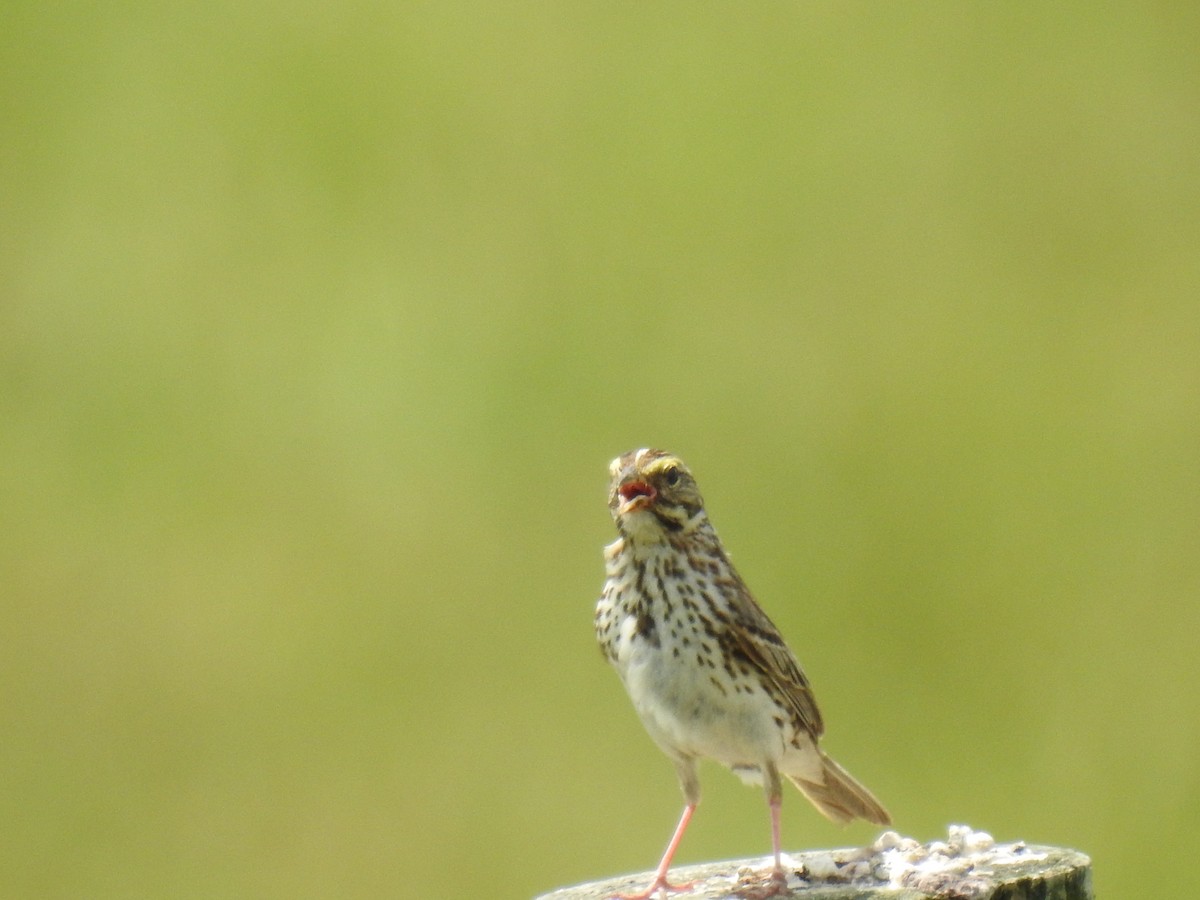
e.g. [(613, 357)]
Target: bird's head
[(652, 493)]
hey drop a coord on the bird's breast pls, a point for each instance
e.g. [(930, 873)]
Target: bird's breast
[(657, 624)]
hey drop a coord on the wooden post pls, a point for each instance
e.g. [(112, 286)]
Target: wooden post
[(967, 866)]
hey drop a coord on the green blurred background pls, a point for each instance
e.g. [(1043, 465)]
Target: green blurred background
[(319, 326)]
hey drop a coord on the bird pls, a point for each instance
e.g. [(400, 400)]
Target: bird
[(709, 674)]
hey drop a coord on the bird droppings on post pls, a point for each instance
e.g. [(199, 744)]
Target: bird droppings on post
[(967, 865)]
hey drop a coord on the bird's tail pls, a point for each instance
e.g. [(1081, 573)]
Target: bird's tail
[(839, 797)]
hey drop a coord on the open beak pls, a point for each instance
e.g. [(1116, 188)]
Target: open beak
[(635, 495)]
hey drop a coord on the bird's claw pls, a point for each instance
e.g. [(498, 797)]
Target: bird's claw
[(773, 886), (660, 884)]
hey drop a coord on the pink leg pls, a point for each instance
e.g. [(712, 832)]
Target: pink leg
[(660, 877), (775, 841), (754, 887), (776, 884)]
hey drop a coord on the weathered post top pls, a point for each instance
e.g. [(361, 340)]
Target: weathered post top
[(969, 865)]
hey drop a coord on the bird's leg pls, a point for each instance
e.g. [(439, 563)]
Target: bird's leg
[(775, 801), (775, 807), (660, 877), (755, 886), (690, 782)]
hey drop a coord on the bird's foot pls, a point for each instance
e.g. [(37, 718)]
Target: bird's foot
[(756, 887), (660, 884)]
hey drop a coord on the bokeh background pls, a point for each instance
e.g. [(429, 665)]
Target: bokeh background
[(319, 326)]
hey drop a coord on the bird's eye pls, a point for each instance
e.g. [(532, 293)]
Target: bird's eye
[(672, 476)]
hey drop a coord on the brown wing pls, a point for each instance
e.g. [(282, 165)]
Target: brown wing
[(760, 642)]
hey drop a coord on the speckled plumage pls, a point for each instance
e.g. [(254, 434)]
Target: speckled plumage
[(707, 671)]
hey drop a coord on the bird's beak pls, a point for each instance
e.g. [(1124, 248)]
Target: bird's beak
[(636, 495)]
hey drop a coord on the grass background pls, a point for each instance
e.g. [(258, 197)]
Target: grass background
[(319, 326)]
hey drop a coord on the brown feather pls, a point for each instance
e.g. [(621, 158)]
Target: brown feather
[(759, 639)]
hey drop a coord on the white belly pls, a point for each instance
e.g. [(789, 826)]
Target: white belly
[(687, 714)]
